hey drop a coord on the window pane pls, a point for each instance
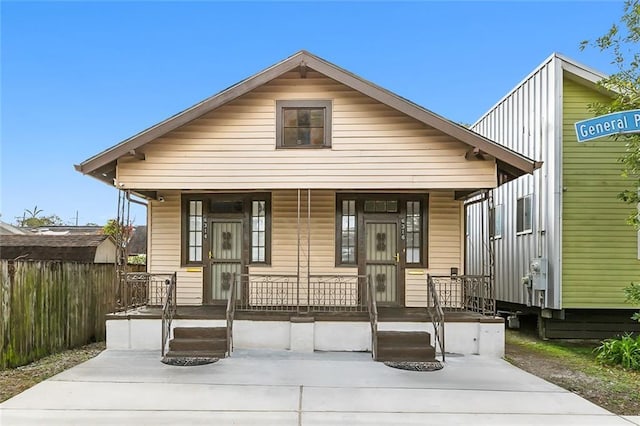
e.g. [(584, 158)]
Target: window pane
[(290, 117), (317, 136), (369, 206), (316, 117), (198, 255), (304, 119), (261, 254), (392, 206), (304, 136), (254, 239), (290, 136), (254, 254)]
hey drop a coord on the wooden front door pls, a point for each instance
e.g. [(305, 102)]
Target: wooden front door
[(225, 257), (382, 260)]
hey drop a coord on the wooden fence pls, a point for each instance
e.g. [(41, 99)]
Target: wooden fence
[(46, 307)]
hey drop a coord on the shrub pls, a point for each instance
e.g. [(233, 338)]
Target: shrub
[(624, 351), (633, 296)]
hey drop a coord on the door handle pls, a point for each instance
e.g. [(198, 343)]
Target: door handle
[(397, 256), (210, 255)]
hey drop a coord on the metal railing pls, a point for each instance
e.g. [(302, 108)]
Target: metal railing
[(231, 310), (267, 292), (143, 289), (373, 317), (168, 309), (287, 293), (471, 293), (337, 293), (437, 314)]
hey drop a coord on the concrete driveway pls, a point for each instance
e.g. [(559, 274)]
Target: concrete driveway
[(281, 388)]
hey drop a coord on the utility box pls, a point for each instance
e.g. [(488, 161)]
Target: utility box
[(538, 269)]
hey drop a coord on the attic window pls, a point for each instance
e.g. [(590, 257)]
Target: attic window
[(303, 124)]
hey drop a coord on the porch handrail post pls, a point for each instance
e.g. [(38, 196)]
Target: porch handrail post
[(298, 262), (308, 249)]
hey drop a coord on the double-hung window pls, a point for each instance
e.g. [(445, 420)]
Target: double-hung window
[(524, 220), (303, 124)]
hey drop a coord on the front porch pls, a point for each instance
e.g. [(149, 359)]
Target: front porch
[(269, 312)]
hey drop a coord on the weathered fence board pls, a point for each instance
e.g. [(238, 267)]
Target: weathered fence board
[(49, 306)]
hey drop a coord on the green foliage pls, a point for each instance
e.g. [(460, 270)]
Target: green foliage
[(139, 259), (621, 42), (624, 351), (633, 296), (31, 218)]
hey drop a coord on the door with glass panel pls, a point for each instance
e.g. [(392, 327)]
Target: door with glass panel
[(382, 260), (225, 257)]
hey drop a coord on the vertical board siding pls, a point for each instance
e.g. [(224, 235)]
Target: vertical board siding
[(444, 245), (50, 306), (373, 147), (522, 121), (599, 248)]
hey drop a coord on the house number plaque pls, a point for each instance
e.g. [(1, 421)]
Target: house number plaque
[(403, 229)]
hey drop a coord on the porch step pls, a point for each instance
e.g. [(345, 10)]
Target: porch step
[(404, 338), (411, 346), (198, 342), (200, 333)]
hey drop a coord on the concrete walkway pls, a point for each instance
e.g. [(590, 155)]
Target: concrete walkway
[(281, 388)]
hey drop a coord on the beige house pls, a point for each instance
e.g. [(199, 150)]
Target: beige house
[(306, 188)]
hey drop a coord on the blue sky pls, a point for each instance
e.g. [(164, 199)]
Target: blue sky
[(79, 77)]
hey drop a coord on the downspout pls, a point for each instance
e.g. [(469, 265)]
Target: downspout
[(298, 262), (308, 249)]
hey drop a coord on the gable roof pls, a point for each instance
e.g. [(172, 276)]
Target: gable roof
[(102, 165), (76, 248), (574, 70)]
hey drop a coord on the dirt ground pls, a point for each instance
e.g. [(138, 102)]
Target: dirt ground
[(15, 380), (612, 388)]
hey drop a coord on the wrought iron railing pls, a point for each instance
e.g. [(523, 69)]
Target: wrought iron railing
[(231, 310), (471, 293), (373, 317), (287, 293), (267, 292), (337, 293), (168, 309), (437, 314), (143, 289)]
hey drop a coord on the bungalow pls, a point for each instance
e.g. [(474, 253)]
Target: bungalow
[(316, 209)]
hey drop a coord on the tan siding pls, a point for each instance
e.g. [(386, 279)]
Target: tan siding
[(373, 147), (164, 253), (284, 247), (445, 246)]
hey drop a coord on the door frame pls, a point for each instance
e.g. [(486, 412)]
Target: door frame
[(207, 240), (391, 218)]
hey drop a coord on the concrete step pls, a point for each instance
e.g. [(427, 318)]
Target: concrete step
[(198, 344), (195, 354), (199, 332), (410, 353), (403, 338)]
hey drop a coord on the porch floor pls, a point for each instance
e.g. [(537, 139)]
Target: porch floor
[(385, 314)]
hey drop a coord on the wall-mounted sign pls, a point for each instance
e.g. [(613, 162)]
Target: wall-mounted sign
[(610, 124)]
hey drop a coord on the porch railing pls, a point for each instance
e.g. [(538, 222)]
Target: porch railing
[(231, 310), (168, 309), (436, 313), (287, 293), (143, 289), (373, 317), (471, 293)]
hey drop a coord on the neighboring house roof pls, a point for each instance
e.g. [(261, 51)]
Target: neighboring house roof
[(102, 166), (76, 248), (67, 230), (6, 229)]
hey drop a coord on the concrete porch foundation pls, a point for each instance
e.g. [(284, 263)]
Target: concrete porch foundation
[(467, 338)]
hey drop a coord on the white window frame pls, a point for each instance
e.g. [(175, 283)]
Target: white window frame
[(528, 230), (496, 218)]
